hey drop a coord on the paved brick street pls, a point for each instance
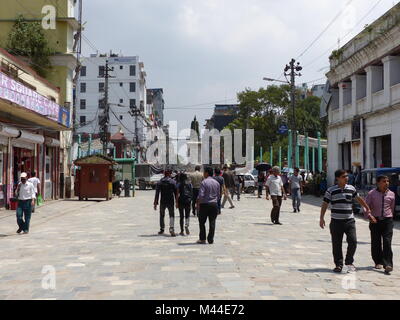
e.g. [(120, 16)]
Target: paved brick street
[(110, 250)]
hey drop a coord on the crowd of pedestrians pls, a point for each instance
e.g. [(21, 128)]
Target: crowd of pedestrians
[(207, 193)]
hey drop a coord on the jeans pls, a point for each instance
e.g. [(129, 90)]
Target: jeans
[(171, 211), (24, 209), (338, 228), (184, 214), (276, 202), (195, 196), (238, 188), (381, 242), (208, 210), (296, 198)]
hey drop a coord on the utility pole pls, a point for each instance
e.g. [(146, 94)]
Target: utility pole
[(105, 117), (294, 68), (135, 112)]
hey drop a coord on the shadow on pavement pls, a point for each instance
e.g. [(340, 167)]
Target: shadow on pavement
[(263, 224), (165, 235), (316, 270), (190, 244), (344, 242)]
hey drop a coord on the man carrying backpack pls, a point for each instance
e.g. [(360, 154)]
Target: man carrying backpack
[(167, 188), (185, 196)]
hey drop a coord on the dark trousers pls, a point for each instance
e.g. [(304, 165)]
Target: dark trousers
[(171, 211), (184, 213), (276, 209), (260, 190), (210, 211), (381, 242), (338, 228), (238, 190), (24, 210), (195, 196)]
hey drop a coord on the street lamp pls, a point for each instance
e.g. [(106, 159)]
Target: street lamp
[(294, 70), (275, 80)]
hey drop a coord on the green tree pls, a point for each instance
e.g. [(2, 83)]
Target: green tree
[(27, 39), (268, 108)]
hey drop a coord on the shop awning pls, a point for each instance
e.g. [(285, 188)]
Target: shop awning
[(19, 115)]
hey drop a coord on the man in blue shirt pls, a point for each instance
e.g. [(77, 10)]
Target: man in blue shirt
[(207, 203)]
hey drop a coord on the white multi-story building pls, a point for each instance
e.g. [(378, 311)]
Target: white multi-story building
[(127, 91), (363, 101)]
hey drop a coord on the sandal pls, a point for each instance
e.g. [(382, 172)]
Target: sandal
[(338, 269)]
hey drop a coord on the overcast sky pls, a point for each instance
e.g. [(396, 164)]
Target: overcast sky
[(205, 51)]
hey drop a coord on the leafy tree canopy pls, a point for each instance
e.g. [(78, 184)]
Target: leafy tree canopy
[(27, 39)]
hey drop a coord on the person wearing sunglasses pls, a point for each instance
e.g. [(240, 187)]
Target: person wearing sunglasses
[(340, 197)]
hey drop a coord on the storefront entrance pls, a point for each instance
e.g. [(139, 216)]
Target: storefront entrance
[(24, 161)]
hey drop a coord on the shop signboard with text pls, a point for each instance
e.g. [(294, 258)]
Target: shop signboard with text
[(23, 96)]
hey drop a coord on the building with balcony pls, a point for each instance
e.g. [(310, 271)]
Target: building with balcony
[(64, 41), (127, 97), (362, 99), (32, 129)]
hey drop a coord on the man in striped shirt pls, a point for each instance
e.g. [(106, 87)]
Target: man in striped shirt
[(340, 197)]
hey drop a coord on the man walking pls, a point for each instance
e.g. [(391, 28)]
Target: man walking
[(296, 189), (238, 184), (220, 180), (185, 195), (207, 204), (340, 197), (26, 196), (274, 187), (36, 183), (195, 178), (169, 194), (382, 202), (229, 187)]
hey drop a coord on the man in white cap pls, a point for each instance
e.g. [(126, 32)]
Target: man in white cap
[(26, 196)]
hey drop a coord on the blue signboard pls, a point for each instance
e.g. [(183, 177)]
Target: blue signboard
[(283, 129), (63, 117)]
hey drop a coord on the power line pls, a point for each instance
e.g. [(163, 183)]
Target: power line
[(330, 48), (326, 28)]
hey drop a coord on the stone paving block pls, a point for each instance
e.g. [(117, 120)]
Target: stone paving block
[(118, 259)]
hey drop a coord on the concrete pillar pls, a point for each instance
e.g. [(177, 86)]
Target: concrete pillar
[(369, 71), (341, 101), (391, 76)]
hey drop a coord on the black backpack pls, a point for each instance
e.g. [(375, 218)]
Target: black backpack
[(185, 193)]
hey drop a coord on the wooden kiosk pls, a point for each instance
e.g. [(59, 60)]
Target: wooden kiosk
[(94, 177)]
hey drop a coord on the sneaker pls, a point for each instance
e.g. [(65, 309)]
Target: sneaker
[(201, 241), (338, 269), (161, 232), (294, 210), (378, 267), (388, 269), (187, 230), (233, 207), (19, 230), (26, 232), (173, 234), (278, 223), (182, 233), (298, 209), (351, 268)]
